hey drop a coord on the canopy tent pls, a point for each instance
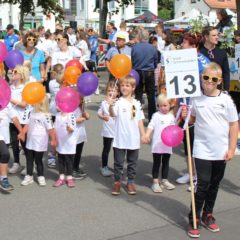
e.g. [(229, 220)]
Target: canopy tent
[(146, 17), (184, 20)]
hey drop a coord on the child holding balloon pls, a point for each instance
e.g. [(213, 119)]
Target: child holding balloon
[(108, 126), (215, 138), (81, 116), (38, 128), (54, 87), (65, 125), (161, 152), (20, 76), (128, 131)]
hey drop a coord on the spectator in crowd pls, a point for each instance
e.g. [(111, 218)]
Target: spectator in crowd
[(123, 31), (237, 36), (94, 45), (71, 35), (224, 20)]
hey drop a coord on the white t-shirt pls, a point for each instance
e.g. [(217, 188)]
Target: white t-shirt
[(54, 87), (127, 134), (109, 126), (66, 142), (211, 132), (161, 43), (37, 136), (64, 57), (50, 46), (86, 53), (158, 122), (5, 117), (22, 113), (72, 39), (80, 131)]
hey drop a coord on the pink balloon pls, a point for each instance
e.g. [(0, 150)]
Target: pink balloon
[(3, 51), (5, 94), (172, 135), (67, 99)]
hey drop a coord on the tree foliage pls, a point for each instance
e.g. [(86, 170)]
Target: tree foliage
[(165, 9), (28, 7)]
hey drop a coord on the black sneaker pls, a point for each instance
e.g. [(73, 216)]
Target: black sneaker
[(77, 175), (209, 222), (5, 185), (82, 173)]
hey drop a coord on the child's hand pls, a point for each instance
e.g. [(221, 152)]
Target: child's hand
[(144, 140), (105, 118), (110, 101), (184, 112), (69, 129), (53, 143), (80, 119), (21, 136), (86, 115), (229, 155)]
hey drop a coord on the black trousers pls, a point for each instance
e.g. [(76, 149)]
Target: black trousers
[(209, 176), (107, 143), (4, 153), (157, 160), (77, 157), (34, 156), (65, 164), (147, 81), (15, 143), (119, 158)]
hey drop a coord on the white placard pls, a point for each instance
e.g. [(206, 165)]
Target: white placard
[(182, 73), (234, 69)]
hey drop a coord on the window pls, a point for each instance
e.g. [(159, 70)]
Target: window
[(141, 6), (193, 1), (111, 5)]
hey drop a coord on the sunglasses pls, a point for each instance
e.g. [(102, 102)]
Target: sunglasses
[(15, 72), (207, 78), (31, 39), (133, 113), (59, 39)]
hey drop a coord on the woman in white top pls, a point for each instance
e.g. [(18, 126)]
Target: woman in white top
[(64, 53), (20, 75)]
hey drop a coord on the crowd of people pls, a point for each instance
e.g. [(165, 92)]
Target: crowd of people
[(213, 124)]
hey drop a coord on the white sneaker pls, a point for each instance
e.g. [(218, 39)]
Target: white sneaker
[(27, 180), (166, 184), (156, 188), (16, 167), (106, 172), (194, 184), (41, 181), (184, 179)]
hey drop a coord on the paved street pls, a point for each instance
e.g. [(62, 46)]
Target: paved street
[(90, 212)]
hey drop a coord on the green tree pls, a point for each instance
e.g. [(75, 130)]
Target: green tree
[(104, 11), (165, 9), (28, 7)]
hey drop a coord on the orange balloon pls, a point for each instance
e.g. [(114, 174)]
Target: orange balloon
[(33, 93), (71, 75), (1, 69), (120, 65)]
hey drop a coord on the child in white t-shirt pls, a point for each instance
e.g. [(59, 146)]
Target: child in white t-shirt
[(65, 125), (215, 138), (54, 86), (6, 115), (108, 126), (38, 128), (80, 132), (128, 130), (161, 152), (20, 76)]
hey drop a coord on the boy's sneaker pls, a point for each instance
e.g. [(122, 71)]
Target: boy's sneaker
[(209, 222), (77, 175), (194, 184), (59, 183), (131, 189), (70, 183), (52, 162), (42, 181), (5, 185), (82, 173), (16, 167), (116, 188), (156, 188), (106, 172), (193, 233), (183, 179), (27, 180), (166, 184)]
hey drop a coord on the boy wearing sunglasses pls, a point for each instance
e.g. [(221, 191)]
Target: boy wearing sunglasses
[(216, 129)]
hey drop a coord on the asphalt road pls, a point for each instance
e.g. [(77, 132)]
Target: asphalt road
[(90, 212)]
